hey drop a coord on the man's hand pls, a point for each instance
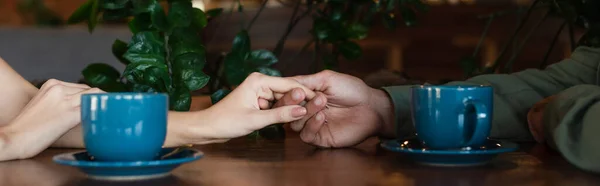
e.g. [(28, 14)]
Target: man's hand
[(346, 113)]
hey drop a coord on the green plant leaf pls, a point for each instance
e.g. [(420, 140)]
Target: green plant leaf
[(391, 5), (214, 12), (262, 58), (350, 50), (409, 16), (187, 69), (389, 21), (180, 99), (146, 46), (142, 6), (219, 95), (330, 61), (142, 88), (104, 77), (113, 15), (185, 40), (338, 13), (115, 87), (155, 75), (118, 49), (155, 10), (82, 13), (140, 22), (235, 70), (159, 19), (321, 29), (199, 20), (100, 74), (357, 31), (114, 4), (240, 7), (180, 14), (241, 43), (268, 71), (93, 18)]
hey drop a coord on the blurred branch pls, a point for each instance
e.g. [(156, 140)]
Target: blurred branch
[(262, 7), (293, 22), (552, 44), (512, 38), (508, 66), (483, 35)]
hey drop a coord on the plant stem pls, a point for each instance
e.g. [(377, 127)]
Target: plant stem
[(508, 66), (483, 35), (279, 47), (554, 40), (262, 7), (216, 84), (512, 38), (221, 75)]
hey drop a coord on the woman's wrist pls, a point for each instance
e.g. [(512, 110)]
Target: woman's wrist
[(187, 128)]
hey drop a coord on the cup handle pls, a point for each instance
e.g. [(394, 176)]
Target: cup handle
[(482, 122)]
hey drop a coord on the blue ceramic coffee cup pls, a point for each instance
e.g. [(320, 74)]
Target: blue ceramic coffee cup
[(452, 116), (124, 126)]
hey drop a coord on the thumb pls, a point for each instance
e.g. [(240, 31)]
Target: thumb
[(282, 114)]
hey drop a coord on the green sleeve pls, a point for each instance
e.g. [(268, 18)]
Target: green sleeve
[(571, 125), (514, 93)]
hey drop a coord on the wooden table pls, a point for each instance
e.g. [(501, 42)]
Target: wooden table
[(291, 162)]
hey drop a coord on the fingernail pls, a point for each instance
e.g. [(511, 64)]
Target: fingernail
[(319, 101), (298, 112), (296, 95), (320, 117)]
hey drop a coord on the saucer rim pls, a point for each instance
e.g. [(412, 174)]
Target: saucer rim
[(506, 146), (69, 159)]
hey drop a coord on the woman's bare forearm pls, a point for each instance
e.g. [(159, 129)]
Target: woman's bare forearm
[(183, 128), (16, 93)]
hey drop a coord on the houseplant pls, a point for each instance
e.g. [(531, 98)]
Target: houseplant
[(165, 53)]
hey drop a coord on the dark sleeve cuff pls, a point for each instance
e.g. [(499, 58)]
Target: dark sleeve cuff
[(400, 96)]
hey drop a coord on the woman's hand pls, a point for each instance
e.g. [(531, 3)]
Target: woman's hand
[(240, 113), (51, 113)]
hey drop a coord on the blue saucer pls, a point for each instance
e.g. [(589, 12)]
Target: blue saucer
[(171, 159), (464, 157)]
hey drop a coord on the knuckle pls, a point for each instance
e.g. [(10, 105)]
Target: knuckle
[(327, 72), (50, 83), (256, 75)]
